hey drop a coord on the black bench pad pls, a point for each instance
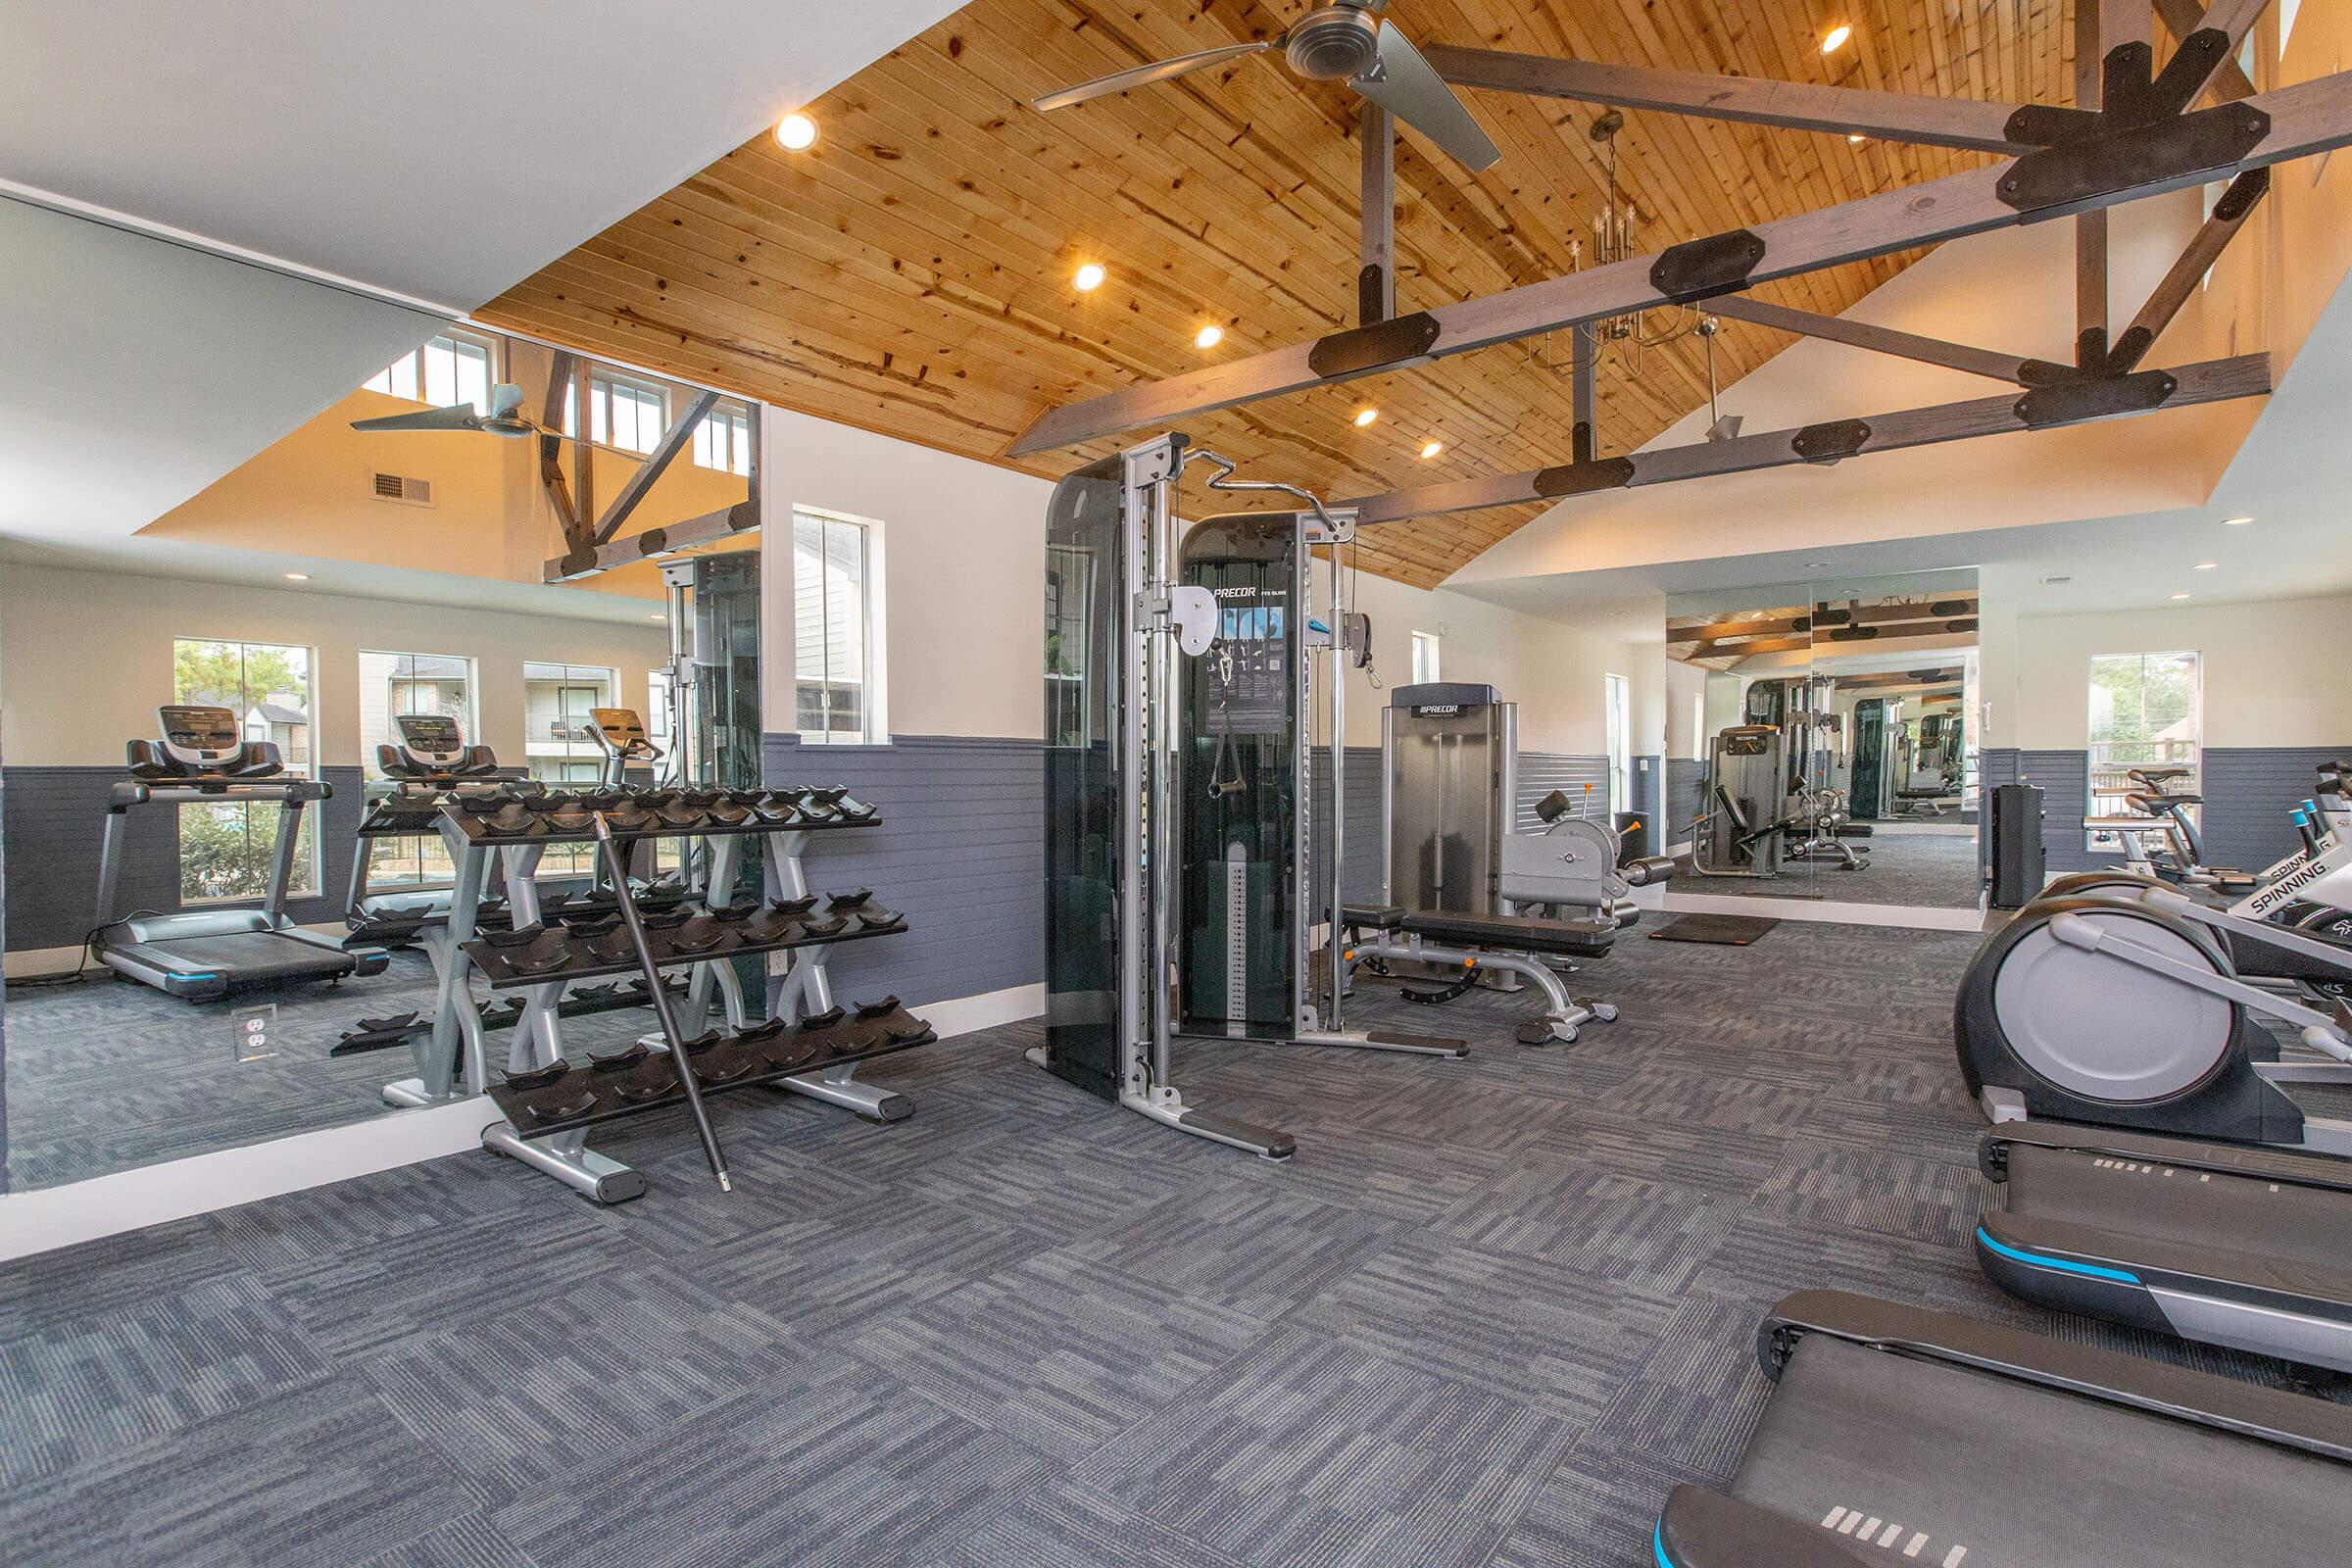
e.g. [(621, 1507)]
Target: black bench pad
[(1523, 933), (1380, 916)]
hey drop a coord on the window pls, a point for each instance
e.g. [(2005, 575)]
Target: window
[(837, 690), (660, 704), (228, 851), (391, 685), (2147, 710), (452, 368), (2286, 23), (1699, 726), (626, 415), (559, 741), (1617, 706), (1425, 658), (723, 440)]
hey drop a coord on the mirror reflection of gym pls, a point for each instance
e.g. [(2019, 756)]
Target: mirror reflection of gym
[(1833, 758)]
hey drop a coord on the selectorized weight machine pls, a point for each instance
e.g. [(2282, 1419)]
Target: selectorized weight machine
[(1181, 892)]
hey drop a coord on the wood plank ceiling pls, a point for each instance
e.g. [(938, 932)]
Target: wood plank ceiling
[(911, 274)]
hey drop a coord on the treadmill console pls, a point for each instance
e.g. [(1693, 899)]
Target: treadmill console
[(201, 741), (432, 748), (622, 733)]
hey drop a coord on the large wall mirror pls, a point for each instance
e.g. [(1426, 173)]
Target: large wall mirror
[(1833, 753)]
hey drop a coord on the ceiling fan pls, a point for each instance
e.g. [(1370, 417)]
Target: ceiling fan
[(504, 418), (1344, 42)]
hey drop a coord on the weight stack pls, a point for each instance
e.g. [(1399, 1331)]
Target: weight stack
[(2018, 870)]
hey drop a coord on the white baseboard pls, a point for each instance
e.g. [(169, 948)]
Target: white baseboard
[(151, 1195), (1831, 911), (45, 1218)]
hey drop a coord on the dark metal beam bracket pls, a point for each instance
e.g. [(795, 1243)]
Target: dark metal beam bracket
[(1831, 441), (2164, 155), (1374, 346), (1583, 478), (2046, 407), (1719, 263)]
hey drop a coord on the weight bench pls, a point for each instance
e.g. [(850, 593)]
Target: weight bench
[(1510, 942)]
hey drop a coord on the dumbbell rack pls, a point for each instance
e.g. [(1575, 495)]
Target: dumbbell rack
[(809, 1047)]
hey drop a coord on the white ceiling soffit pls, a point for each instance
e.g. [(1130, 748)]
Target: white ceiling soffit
[(139, 372), (2290, 475), (438, 149)]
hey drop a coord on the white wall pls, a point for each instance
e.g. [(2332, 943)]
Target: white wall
[(2267, 668), (964, 572), (87, 657), (1686, 736)]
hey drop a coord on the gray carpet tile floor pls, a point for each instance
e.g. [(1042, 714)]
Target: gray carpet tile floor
[(1493, 1311), (1930, 870), (169, 1083)]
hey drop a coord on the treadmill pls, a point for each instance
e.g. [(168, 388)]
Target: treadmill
[(429, 763), (203, 955), (1908, 1438), (2225, 1244)]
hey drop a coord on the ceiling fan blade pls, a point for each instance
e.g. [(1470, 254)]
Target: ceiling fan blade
[(456, 417), (505, 399), (1409, 87), (1145, 76)]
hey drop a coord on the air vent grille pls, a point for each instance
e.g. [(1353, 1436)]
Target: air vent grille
[(406, 489)]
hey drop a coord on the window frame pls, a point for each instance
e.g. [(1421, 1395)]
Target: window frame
[(1434, 644), (487, 342), (418, 844), (603, 378), (2098, 840), (1617, 726), (309, 883), (735, 416), (874, 730)]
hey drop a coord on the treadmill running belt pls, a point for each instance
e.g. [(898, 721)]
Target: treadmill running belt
[(1995, 1473), (2259, 1226), (250, 954)]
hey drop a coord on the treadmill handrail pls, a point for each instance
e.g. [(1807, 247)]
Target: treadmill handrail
[(2270, 1415), (195, 791)]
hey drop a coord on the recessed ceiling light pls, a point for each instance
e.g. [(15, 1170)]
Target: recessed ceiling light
[(2235, 522), (1089, 277), (2208, 566), (1364, 416), (1209, 337), (1854, 138), (2180, 596), (796, 133), (1431, 449), (298, 576), (657, 617), (1835, 38)]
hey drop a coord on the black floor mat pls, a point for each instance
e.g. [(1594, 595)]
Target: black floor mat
[(1722, 930)]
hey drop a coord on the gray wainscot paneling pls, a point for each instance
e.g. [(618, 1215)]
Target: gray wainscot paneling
[(55, 821), (2249, 792), (1686, 792), (1542, 772), (960, 849)]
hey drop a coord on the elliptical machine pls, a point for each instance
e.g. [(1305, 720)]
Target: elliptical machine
[(2124, 1008)]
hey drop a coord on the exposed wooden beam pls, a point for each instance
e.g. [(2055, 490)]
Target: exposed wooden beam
[(551, 451), (2184, 18), (1887, 340), (2180, 281), (1757, 101), (1699, 632), (2210, 381), (1740, 650), (583, 446), (657, 462), (1584, 375), (1376, 279), (2286, 123), (741, 517)]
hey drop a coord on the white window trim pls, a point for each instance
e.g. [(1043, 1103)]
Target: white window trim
[(1435, 641), (314, 813), (493, 363), (877, 628), (1611, 683)]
